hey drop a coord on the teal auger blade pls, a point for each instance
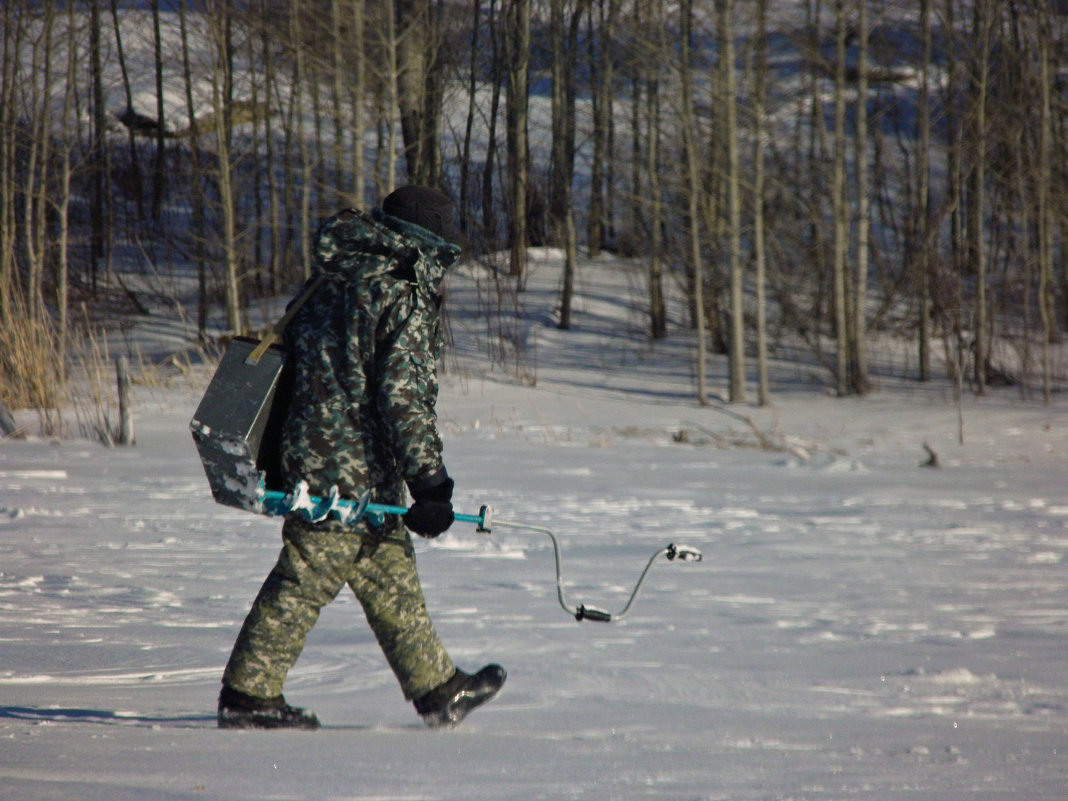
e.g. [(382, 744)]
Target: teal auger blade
[(347, 511)]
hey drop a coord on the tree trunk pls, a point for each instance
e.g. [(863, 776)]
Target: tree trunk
[(859, 367), (1044, 210), (199, 233), (419, 93), (601, 43), (469, 122), (159, 171), (518, 24), (560, 73), (392, 104), (954, 316), (976, 206), (644, 229), (693, 191), (840, 206), (734, 210), (923, 242), (135, 167), (300, 78), (358, 99), (489, 218), (69, 123), (274, 211), (565, 46), (338, 50), (9, 70), (222, 97), (759, 251), (36, 174)]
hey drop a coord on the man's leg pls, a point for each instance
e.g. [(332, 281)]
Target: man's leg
[(386, 584), (315, 562)]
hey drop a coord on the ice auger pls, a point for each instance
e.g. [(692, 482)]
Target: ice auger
[(349, 512)]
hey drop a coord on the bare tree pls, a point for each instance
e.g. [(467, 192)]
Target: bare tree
[(564, 29), (159, 172), (358, 99), (489, 221), (299, 108), (101, 210), (222, 82), (389, 104), (760, 260), (517, 22), (646, 190), (603, 24), (840, 205), (693, 190), (62, 203), (725, 33), (134, 182), (982, 36), (923, 196), (338, 50), (1044, 204), (9, 68), (419, 82), (472, 114), (37, 156), (199, 232), (858, 378)]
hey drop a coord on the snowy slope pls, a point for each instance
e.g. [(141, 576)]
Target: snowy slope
[(860, 627)]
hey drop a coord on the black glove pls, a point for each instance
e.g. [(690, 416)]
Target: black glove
[(431, 513)]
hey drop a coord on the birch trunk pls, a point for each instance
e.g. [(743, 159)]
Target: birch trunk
[(840, 206)]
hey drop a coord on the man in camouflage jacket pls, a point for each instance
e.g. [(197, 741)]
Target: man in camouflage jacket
[(362, 416)]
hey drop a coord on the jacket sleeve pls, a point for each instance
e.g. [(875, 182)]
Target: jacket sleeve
[(407, 390)]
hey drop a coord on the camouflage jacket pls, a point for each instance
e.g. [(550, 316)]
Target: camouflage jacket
[(364, 349)]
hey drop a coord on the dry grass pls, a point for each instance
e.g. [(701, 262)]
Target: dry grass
[(32, 372), (75, 393), (93, 397)]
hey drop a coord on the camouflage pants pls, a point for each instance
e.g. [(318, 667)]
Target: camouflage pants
[(315, 563)]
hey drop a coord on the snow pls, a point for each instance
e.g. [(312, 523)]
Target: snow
[(860, 626)]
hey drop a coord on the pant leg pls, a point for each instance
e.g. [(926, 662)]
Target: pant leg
[(315, 563), (386, 584)]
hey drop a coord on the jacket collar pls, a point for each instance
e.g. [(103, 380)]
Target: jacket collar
[(352, 245)]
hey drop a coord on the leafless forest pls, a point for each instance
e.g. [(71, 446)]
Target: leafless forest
[(811, 174)]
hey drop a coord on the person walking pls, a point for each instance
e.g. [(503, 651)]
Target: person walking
[(364, 351)]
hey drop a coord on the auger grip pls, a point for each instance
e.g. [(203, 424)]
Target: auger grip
[(592, 613)]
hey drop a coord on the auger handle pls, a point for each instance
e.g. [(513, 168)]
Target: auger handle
[(592, 613)]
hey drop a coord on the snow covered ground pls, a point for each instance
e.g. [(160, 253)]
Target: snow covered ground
[(860, 627)]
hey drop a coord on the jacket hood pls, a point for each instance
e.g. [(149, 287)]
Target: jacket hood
[(355, 245)]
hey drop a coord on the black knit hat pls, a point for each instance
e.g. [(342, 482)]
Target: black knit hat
[(426, 207)]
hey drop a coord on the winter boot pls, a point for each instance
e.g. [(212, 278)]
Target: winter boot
[(240, 711), (449, 703)]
